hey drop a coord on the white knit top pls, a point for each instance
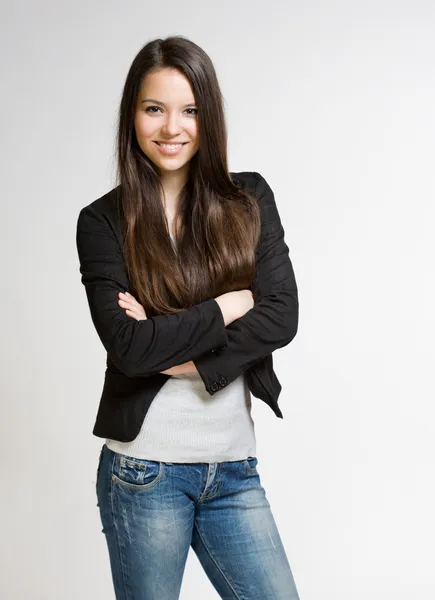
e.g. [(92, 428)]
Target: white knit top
[(185, 424)]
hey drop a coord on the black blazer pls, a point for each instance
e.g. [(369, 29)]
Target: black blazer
[(138, 350)]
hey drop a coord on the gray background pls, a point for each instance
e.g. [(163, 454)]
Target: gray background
[(333, 103)]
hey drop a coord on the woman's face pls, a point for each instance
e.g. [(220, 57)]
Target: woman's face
[(166, 112)]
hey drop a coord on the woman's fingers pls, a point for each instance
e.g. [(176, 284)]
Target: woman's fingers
[(132, 306), (126, 300), (127, 297)]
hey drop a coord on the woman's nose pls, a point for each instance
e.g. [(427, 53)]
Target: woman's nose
[(172, 125)]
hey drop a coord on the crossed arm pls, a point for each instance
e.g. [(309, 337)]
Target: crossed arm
[(271, 324), (197, 338), (135, 310)]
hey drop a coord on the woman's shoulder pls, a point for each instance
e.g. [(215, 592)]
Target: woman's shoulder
[(108, 204), (249, 180), (100, 215), (246, 179)]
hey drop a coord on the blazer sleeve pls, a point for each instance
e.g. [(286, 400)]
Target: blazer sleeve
[(273, 322), (138, 348)]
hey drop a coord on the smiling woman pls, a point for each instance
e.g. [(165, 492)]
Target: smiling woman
[(166, 122), (172, 179), (190, 288)]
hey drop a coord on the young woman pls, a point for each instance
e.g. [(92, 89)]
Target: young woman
[(212, 294)]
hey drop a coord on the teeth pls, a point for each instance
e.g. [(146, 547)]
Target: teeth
[(171, 146)]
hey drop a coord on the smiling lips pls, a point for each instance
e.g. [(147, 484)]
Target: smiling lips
[(173, 148)]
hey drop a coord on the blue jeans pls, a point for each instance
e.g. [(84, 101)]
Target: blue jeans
[(153, 511)]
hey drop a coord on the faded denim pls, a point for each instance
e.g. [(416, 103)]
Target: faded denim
[(152, 512)]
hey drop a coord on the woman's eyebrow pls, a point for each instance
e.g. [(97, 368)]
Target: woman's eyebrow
[(163, 104)]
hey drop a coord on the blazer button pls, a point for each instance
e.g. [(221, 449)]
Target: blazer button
[(223, 382), (214, 387)]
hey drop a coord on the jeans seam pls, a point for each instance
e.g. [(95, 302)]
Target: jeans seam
[(216, 563), (203, 497), (115, 525)]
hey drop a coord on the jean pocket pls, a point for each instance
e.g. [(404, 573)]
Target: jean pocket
[(136, 473), (251, 465)]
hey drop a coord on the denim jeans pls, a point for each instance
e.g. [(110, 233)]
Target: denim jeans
[(153, 511)]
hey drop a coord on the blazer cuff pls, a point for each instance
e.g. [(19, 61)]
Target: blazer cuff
[(214, 378), (218, 322)]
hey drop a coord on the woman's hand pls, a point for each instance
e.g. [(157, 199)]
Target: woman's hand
[(136, 311), (132, 307), (187, 367)]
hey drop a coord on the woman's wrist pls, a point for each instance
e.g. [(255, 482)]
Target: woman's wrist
[(188, 367), (226, 304)]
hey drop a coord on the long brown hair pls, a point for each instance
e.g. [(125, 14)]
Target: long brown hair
[(217, 225)]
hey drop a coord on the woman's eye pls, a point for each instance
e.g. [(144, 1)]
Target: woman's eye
[(151, 109)]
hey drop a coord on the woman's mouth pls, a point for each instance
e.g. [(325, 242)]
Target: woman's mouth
[(170, 148)]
